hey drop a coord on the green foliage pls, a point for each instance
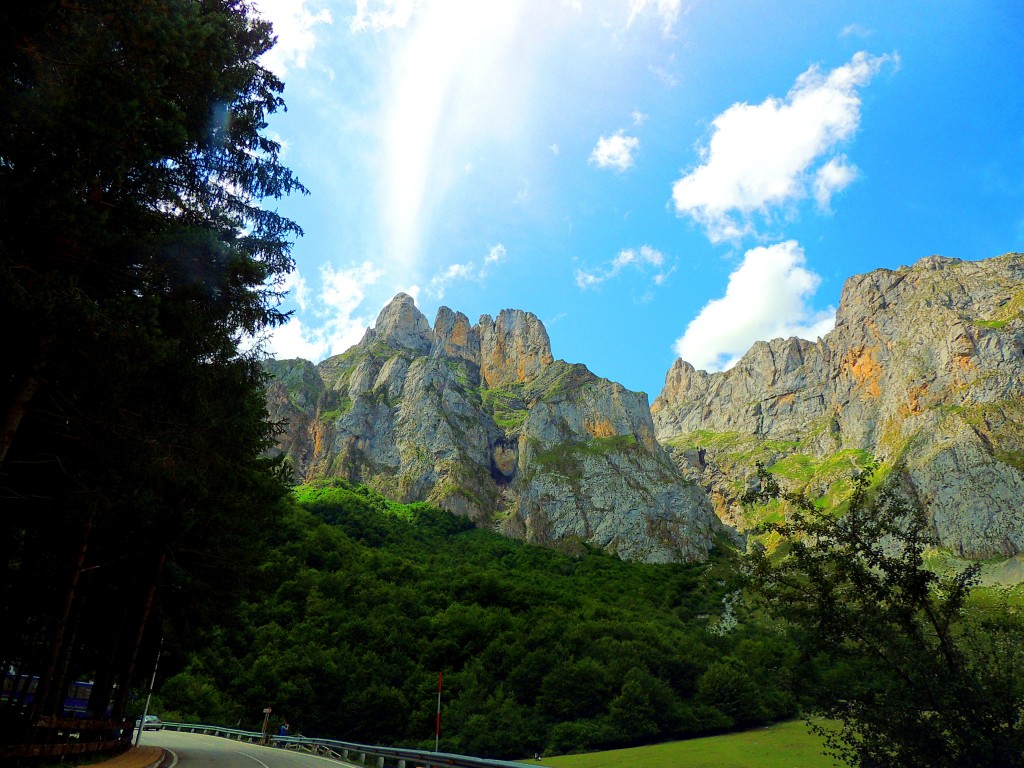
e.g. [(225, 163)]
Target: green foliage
[(558, 381), (506, 406), (737, 447), (827, 480), (565, 458), (186, 694), (1007, 313), (996, 325), (736, 454), (798, 466), (915, 673), (728, 687), (366, 601)]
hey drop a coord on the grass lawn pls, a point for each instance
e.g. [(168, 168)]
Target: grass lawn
[(786, 745)]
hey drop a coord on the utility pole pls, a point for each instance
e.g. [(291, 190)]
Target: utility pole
[(152, 682)]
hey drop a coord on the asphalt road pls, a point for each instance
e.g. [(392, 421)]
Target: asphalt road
[(193, 750)]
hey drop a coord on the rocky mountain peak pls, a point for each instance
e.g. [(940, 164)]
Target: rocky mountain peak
[(514, 348), (682, 382), (454, 337), (400, 325)]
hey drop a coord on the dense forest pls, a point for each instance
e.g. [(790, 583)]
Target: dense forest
[(363, 602)]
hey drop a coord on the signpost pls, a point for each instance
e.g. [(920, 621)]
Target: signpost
[(266, 724)]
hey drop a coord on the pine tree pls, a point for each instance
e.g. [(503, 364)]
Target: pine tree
[(135, 261)]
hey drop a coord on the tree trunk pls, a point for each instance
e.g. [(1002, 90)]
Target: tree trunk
[(42, 704), (131, 654), (21, 395)]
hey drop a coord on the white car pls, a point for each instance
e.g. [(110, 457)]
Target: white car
[(153, 723)]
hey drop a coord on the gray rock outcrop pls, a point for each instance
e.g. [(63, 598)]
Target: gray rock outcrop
[(923, 372)]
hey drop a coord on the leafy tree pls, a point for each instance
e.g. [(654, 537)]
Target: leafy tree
[(185, 694), (728, 687), (577, 690), (581, 735), (644, 708), (135, 256), (921, 674)]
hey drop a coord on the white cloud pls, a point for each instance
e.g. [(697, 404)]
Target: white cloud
[(664, 74), (439, 283), (832, 177), (336, 324), (455, 272), (767, 297), (378, 15), (297, 286), (855, 30), (294, 339), (412, 290), (293, 26), (762, 157), (639, 118), (645, 254), (639, 258), (524, 195), (615, 151), (667, 10), (496, 255)]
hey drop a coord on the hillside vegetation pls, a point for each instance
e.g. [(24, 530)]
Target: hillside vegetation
[(365, 601)]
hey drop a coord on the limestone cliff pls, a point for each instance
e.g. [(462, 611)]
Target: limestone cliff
[(481, 420), (923, 372)]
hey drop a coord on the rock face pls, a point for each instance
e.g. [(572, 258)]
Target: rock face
[(481, 420), (923, 373)]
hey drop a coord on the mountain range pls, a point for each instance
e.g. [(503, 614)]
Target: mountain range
[(923, 375)]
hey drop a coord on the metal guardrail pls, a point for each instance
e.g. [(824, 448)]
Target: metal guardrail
[(384, 757)]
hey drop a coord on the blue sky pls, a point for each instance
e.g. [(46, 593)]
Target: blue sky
[(651, 178)]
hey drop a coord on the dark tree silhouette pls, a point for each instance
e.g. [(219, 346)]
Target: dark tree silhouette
[(135, 260)]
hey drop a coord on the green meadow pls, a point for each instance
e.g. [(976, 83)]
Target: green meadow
[(785, 745)]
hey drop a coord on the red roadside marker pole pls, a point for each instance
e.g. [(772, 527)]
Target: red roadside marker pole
[(437, 731)]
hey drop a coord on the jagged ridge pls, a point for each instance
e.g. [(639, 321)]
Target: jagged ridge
[(481, 420), (922, 372)]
